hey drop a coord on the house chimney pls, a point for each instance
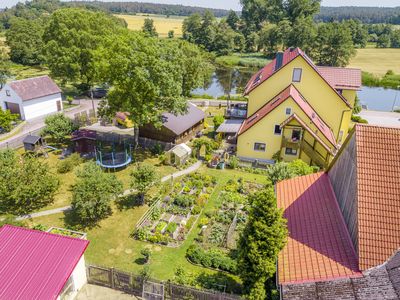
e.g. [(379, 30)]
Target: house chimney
[(279, 60)]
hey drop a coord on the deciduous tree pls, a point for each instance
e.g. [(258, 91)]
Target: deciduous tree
[(92, 194), (143, 178), (58, 126), (70, 39), (148, 28), (25, 40), (26, 183)]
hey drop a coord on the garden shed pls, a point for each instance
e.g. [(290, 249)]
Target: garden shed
[(178, 155), (33, 143)]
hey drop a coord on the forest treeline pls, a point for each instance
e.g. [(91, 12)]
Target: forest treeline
[(370, 15)]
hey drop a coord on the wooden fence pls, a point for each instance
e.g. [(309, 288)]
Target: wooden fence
[(150, 289)]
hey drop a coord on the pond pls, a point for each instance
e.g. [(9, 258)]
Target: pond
[(226, 80), (233, 80), (378, 98)]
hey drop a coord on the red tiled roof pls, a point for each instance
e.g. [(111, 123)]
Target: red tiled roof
[(33, 88), (342, 78), (378, 191), (36, 264), (319, 246), (270, 69), (305, 126), (292, 92)]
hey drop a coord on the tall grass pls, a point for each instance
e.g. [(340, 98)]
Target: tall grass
[(389, 80)]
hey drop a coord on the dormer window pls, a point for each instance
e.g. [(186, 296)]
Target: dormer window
[(297, 75), (8, 93)]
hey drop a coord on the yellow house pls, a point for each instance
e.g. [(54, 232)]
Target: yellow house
[(297, 110)]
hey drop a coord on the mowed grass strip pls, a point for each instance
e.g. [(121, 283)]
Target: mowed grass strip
[(162, 23), (376, 60)]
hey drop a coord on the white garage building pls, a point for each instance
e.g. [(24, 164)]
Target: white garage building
[(31, 98)]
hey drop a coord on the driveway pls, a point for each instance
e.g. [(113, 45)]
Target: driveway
[(95, 292), (381, 118), (34, 126)]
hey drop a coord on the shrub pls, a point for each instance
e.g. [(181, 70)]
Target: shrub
[(69, 163), (196, 210), (358, 119), (171, 227), (184, 200), (141, 234), (146, 252), (218, 120), (157, 149), (213, 258), (233, 162)]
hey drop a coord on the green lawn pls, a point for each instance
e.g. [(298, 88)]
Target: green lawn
[(112, 246), (63, 196)]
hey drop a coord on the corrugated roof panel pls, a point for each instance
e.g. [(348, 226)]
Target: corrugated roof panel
[(36, 264)]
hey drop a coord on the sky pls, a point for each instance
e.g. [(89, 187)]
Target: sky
[(234, 4)]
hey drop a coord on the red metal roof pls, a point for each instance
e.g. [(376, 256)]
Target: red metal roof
[(271, 68), (292, 92), (319, 246), (342, 78), (33, 88), (36, 264)]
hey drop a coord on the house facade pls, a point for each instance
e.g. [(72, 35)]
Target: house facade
[(297, 110), (344, 230), (31, 98)]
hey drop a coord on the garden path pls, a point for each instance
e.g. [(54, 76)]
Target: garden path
[(186, 171)]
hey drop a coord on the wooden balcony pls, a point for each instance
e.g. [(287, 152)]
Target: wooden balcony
[(289, 143)]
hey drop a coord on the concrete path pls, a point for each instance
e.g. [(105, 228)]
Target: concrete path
[(95, 292), (381, 118), (186, 171), (34, 126)]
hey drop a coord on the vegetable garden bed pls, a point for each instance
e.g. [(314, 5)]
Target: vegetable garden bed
[(170, 220), (216, 244)]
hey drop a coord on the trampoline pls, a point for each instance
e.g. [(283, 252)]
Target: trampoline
[(113, 159)]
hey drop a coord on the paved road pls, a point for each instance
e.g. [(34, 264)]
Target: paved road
[(95, 292), (35, 126), (381, 118), (188, 170)]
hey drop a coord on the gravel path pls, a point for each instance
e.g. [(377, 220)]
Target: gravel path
[(186, 171)]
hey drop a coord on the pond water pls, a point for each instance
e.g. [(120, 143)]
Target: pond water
[(233, 81), (377, 98), (226, 80)]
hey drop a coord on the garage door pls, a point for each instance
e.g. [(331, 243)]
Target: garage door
[(13, 107)]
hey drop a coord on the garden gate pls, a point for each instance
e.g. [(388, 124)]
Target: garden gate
[(153, 291)]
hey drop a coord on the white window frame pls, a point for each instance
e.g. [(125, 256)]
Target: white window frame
[(286, 110), (291, 153), (254, 147), (279, 128), (296, 77)]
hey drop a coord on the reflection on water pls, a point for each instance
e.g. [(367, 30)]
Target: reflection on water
[(377, 98), (233, 81), (226, 80)]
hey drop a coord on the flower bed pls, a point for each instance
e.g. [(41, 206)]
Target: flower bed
[(173, 217)]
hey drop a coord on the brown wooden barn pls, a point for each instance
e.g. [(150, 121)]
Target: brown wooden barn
[(176, 129)]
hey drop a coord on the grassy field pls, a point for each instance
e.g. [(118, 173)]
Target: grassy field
[(111, 244), (163, 24), (377, 61)]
